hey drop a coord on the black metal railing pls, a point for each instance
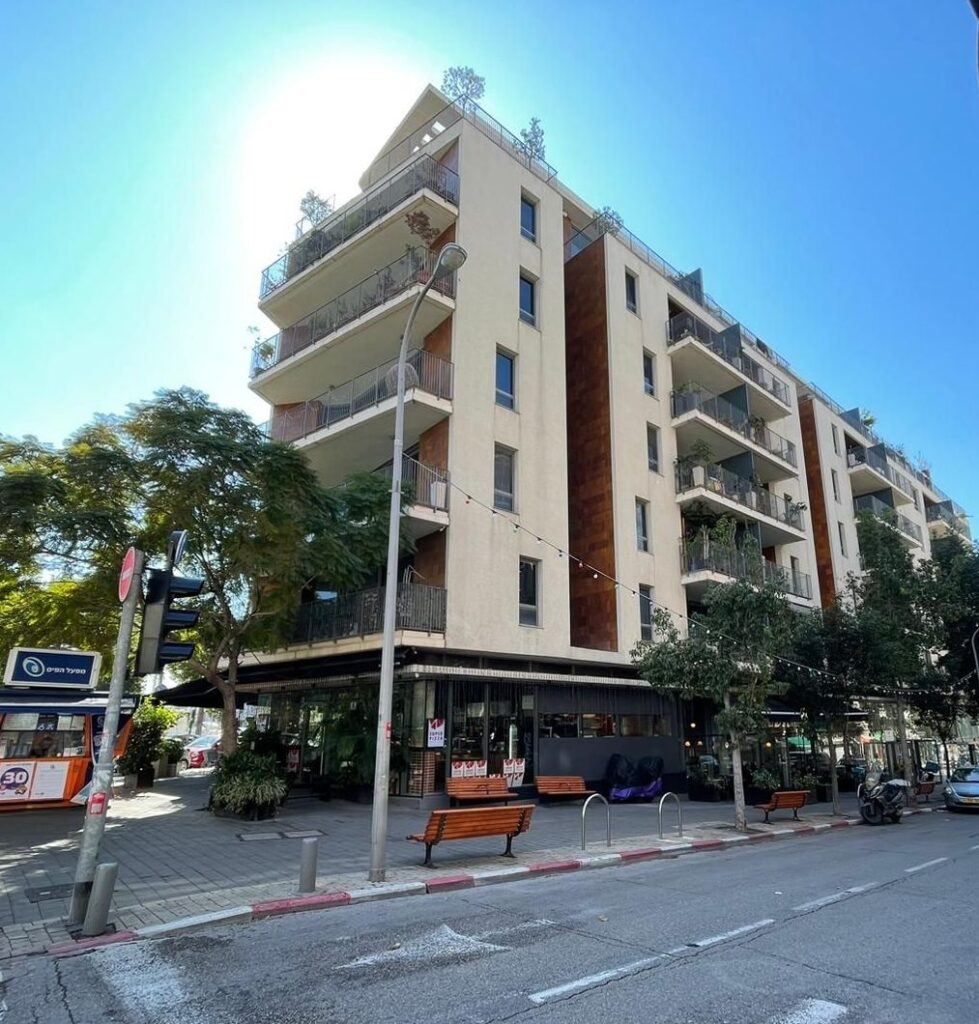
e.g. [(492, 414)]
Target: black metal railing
[(422, 484), (872, 504), (415, 267), (425, 172), (423, 370), (695, 398), (419, 607), (701, 555), (719, 480), (686, 325)]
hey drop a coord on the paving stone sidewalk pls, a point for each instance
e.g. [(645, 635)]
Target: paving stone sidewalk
[(177, 860)]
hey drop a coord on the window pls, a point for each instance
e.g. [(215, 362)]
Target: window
[(528, 300), (642, 524), (794, 565), (842, 539), (652, 446), (836, 439), (504, 379), (645, 612), (529, 592), (649, 373), (528, 218), (598, 725), (644, 725), (631, 293), (503, 478), (836, 484), (563, 727)]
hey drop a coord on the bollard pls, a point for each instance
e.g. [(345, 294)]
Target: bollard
[(97, 914), (307, 864)]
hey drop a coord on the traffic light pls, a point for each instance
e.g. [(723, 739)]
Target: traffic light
[(160, 619)]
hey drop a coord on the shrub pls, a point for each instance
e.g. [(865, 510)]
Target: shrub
[(247, 783), (150, 722)]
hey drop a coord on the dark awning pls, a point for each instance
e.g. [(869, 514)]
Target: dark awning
[(197, 693), (41, 701)]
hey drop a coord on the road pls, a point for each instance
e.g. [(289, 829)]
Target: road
[(862, 926)]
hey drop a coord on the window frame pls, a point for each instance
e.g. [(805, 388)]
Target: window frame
[(534, 205), (498, 451), (522, 607), (649, 382), (633, 305), (842, 535), (647, 601), (531, 317), (652, 432), (512, 394), (836, 438), (642, 535), (835, 482)]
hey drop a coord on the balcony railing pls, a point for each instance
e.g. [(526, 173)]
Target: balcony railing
[(702, 556), (695, 398), (873, 458), (686, 325), (722, 481), (344, 224), (415, 267), (422, 370), (419, 607), (422, 484), (872, 504)]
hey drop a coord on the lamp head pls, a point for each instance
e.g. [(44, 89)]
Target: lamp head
[(451, 257)]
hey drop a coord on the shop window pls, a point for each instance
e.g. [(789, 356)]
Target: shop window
[(30, 735), (598, 725), (644, 725), (563, 727)]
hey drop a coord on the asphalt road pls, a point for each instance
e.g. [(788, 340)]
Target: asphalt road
[(863, 926)]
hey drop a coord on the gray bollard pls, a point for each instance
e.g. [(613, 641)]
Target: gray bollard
[(307, 864), (97, 914)]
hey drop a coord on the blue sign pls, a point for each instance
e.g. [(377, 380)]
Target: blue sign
[(27, 666)]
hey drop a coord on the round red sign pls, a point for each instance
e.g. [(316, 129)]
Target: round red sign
[(126, 574)]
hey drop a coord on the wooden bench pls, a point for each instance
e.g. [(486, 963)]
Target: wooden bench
[(785, 800), (562, 785), (473, 823), (486, 790)]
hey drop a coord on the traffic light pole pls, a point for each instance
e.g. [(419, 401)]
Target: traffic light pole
[(88, 853)]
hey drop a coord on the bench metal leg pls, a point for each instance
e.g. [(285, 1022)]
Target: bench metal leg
[(427, 862), (507, 853), (767, 822), (795, 813)]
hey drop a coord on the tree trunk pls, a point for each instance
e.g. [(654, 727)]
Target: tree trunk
[(902, 735), (834, 784), (740, 821), (948, 767)]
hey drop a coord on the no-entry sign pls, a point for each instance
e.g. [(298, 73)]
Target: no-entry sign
[(126, 574)]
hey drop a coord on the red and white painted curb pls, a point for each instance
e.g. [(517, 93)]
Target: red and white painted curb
[(440, 883)]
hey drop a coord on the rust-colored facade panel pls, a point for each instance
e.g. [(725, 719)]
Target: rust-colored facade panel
[(433, 445), (591, 534), (439, 341), (817, 503), (430, 559)]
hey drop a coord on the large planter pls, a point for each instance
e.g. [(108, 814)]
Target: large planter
[(824, 792), (757, 795), (254, 813), (700, 791), (144, 778)]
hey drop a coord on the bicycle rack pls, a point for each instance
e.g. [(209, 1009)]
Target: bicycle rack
[(608, 819), (679, 814)]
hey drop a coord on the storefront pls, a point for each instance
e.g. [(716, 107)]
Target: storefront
[(49, 741)]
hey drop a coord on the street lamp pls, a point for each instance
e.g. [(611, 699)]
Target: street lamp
[(450, 258)]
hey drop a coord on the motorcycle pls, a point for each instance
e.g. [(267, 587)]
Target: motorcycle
[(882, 800)]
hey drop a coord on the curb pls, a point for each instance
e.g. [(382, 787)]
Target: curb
[(446, 883)]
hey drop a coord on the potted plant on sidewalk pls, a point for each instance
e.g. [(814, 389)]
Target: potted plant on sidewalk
[(764, 782), (247, 785)]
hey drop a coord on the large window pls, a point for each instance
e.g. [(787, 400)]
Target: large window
[(555, 726), (836, 484), (649, 373), (503, 475), (631, 292), (528, 300), (598, 725), (836, 439), (642, 524), (528, 218), (505, 366), (842, 539), (529, 592), (652, 447), (645, 612)]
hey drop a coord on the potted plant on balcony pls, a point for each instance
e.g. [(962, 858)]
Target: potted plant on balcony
[(699, 457)]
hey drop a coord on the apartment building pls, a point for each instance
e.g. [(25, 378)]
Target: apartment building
[(588, 435)]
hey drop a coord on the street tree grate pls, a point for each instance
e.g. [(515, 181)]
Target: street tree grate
[(49, 892), (248, 837)]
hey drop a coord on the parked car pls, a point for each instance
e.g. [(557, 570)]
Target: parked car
[(962, 789), (201, 752)]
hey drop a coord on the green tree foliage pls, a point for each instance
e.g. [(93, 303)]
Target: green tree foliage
[(728, 657), (533, 139), (145, 746)]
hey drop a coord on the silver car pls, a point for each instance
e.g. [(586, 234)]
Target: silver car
[(962, 789)]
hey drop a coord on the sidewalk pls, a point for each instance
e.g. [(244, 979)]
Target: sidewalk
[(177, 860)]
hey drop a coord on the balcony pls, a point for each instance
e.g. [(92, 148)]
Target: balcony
[(349, 427), (717, 360), (367, 232), (357, 329), (425, 490), (725, 492), (908, 530), (943, 520), (420, 609), (870, 471), (702, 564), (699, 414)]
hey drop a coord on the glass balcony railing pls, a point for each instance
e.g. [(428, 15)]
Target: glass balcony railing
[(872, 504), (351, 220), (422, 370), (722, 481), (694, 398), (686, 325), (419, 607), (875, 460), (701, 556), (415, 267)]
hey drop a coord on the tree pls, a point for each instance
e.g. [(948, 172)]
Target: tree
[(533, 139), (314, 208), (462, 83), (261, 526), (728, 657), (608, 221)]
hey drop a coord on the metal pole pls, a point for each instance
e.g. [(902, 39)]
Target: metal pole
[(309, 853), (97, 912), (88, 851), (385, 696)]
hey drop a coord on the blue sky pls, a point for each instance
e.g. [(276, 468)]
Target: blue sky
[(819, 161)]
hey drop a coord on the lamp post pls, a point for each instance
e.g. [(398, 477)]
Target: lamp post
[(450, 258)]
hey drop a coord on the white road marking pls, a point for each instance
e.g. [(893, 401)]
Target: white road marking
[(826, 901), (438, 945), (549, 995), (864, 887), (522, 926), (927, 864), (734, 933), (976, 847), (812, 1011)]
